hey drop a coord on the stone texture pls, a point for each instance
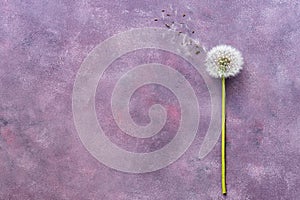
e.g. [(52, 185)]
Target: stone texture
[(43, 43)]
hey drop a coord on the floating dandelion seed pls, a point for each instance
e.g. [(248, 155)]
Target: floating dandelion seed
[(222, 62)]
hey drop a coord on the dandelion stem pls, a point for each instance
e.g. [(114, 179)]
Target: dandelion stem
[(223, 138)]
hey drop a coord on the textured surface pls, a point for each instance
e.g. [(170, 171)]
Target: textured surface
[(43, 43)]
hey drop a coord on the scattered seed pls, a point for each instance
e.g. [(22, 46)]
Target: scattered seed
[(183, 15), (197, 52), (167, 25), (156, 20), (162, 10), (193, 32), (168, 15)]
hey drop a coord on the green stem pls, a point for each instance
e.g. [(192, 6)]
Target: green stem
[(223, 138)]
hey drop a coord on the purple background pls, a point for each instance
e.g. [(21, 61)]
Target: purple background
[(43, 43)]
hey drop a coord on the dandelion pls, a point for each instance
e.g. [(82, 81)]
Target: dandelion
[(223, 61)]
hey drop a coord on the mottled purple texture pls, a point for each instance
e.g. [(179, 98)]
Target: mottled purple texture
[(43, 43)]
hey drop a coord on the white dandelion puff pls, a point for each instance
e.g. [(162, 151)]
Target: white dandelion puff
[(224, 61)]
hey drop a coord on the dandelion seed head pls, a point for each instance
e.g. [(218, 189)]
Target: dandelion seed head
[(224, 61)]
